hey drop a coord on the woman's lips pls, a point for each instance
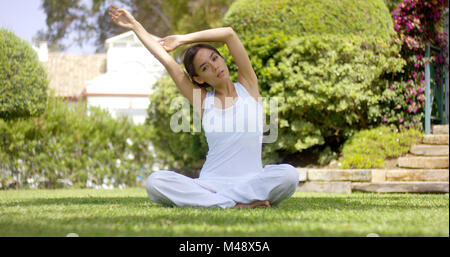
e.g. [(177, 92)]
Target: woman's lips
[(220, 74)]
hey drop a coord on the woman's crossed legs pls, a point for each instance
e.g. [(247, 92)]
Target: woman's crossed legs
[(268, 188)]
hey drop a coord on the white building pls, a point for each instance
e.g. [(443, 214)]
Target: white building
[(131, 71), (42, 51)]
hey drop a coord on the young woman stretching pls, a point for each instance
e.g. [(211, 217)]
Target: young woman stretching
[(232, 175)]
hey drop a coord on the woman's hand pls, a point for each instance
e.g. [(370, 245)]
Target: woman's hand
[(122, 17), (170, 43)]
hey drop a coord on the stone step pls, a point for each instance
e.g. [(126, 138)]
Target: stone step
[(416, 175), (440, 129), (429, 150), (432, 139), (302, 174), (325, 187), (400, 187), (338, 175), (423, 162)]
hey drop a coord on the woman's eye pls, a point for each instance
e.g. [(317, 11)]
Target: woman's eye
[(215, 57), (204, 68)]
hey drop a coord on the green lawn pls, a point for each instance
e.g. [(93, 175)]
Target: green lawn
[(128, 212)]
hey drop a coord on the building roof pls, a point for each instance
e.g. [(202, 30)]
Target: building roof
[(68, 73)]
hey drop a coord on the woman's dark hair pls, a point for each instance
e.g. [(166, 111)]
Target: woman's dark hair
[(188, 61)]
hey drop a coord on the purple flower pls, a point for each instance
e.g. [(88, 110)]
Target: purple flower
[(415, 121), (409, 26), (384, 119)]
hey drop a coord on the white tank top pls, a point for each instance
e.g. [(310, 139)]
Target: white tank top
[(234, 137)]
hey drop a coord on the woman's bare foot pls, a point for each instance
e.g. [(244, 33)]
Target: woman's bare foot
[(255, 204)]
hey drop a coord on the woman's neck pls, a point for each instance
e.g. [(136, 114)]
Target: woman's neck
[(226, 89)]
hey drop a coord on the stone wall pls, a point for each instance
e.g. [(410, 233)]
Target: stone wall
[(373, 180)]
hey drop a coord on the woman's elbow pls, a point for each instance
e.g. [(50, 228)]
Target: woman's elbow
[(230, 31), (230, 34)]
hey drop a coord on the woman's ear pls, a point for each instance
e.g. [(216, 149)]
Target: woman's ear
[(198, 80)]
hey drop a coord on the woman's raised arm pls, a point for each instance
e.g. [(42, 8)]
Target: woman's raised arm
[(123, 18)]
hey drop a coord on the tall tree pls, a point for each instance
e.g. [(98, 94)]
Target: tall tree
[(88, 19)]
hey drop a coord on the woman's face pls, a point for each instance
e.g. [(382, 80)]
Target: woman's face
[(210, 67)]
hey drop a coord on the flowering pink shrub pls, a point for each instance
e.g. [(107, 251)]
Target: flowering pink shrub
[(417, 24)]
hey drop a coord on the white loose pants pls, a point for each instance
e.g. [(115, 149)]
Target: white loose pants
[(276, 183)]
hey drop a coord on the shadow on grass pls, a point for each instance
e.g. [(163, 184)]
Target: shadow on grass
[(79, 201), (349, 202)]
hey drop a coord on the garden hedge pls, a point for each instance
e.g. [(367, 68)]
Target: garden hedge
[(66, 147)]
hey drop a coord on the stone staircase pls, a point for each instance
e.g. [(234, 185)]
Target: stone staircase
[(424, 169)]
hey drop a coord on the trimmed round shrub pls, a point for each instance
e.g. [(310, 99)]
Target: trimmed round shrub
[(23, 89), (303, 17), (369, 148)]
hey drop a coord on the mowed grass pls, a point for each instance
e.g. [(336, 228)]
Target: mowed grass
[(128, 212)]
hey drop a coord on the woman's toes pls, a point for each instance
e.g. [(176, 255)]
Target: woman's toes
[(262, 204)]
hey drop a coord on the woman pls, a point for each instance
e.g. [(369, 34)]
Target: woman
[(232, 176)]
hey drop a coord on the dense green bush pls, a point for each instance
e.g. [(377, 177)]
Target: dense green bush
[(369, 148), (304, 17), (330, 78), (23, 79), (65, 147), (328, 87)]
